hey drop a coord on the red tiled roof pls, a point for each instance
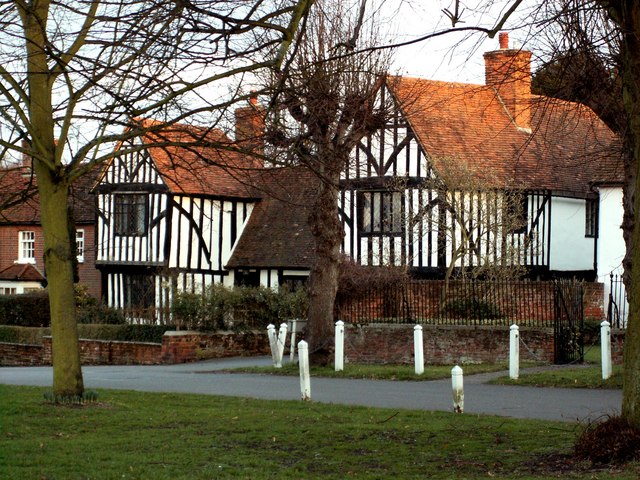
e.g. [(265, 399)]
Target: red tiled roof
[(22, 272), (200, 161), (567, 148), (18, 187), (277, 233)]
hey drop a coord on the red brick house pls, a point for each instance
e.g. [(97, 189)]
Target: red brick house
[(21, 236)]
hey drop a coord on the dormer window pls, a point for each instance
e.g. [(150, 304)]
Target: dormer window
[(130, 214)]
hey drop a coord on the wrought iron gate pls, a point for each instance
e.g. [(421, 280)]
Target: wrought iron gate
[(568, 322)]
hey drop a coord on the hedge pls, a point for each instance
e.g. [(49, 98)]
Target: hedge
[(26, 310)]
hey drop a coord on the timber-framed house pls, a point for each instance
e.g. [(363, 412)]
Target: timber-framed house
[(467, 175), (170, 210), (173, 218)]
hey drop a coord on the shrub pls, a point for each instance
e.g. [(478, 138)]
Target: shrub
[(26, 310), (97, 313), (237, 308), (28, 335), (32, 309), (611, 441), (471, 308)]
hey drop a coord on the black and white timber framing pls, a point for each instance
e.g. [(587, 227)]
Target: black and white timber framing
[(168, 241), (391, 218)]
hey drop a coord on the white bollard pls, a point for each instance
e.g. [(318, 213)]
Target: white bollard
[(282, 339), (305, 378), (273, 343), (457, 383), (514, 352), (339, 354), (605, 343), (418, 349), (292, 348)]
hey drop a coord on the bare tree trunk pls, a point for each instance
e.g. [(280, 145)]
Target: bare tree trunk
[(58, 261), (628, 18), (323, 281), (53, 187)]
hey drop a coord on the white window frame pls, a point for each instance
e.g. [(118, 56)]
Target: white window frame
[(80, 245), (26, 246)]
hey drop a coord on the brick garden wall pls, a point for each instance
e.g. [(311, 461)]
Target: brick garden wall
[(181, 347), (176, 347), (617, 345), (109, 352), (444, 344), (20, 354), (593, 298)]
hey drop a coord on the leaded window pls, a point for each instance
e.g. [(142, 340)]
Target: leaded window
[(130, 212), (381, 212), (591, 218)]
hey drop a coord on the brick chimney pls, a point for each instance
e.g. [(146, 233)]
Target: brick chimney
[(26, 160), (250, 126), (508, 70)]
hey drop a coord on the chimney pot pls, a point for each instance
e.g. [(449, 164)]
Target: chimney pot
[(503, 38)]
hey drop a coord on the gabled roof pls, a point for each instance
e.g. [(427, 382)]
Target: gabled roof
[(567, 148), (22, 273), (198, 161), (277, 233)]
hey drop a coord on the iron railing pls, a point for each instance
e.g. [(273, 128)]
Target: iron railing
[(456, 302), (618, 306)]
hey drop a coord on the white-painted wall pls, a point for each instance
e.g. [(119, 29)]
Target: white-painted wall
[(611, 248), (21, 287), (570, 249), (610, 242)]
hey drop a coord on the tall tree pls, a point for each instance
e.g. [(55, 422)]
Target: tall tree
[(74, 74), (625, 14), (325, 104)]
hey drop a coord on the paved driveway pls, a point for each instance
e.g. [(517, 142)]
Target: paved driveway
[(206, 378)]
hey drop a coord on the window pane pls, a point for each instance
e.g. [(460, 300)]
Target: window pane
[(381, 212), (80, 245), (377, 209), (365, 199), (27, 246), (130, 214)]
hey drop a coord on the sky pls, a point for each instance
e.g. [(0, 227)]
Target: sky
[(453, 56)]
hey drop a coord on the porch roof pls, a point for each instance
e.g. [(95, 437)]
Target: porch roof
[(277, 234)]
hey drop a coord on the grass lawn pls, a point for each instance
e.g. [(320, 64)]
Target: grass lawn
[(132, 435), (581, 376), (379, 372), (587, 375)]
